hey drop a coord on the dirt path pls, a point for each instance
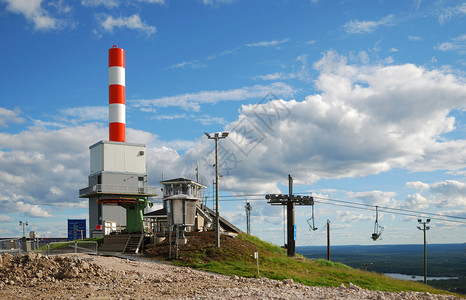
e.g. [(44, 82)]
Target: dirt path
[(98, 277)]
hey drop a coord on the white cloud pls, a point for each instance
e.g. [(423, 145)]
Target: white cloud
[(5, 219), (207, 120), (267, 43), (300, 71), (273, 76), (414, 38), (416, 201), (368, 26), (153, 1), (106, 3), (448, 193), (193, 101), (84, 113), (33, 12), (448, 13), (352, 217), (374, 197), (171, 117), (216, 2), (417, 185), (10, 116), (366, 120), (132, 22), (457, 44), (195, 64)]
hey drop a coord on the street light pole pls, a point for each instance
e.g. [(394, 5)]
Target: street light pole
[(24, 224), (217, 214), (424, 228), (216, 136)]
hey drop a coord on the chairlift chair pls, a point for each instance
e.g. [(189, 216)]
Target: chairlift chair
[(311, 221), (377, 228)]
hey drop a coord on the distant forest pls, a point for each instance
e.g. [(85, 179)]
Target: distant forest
[(443, 260)]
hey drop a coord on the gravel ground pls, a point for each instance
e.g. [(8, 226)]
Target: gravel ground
[(34, 276)]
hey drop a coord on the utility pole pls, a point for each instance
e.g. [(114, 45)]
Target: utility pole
[(248, 208), (328, 240), (290, 201), (424, 228)]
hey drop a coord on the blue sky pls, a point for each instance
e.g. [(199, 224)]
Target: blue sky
[(360, 101)]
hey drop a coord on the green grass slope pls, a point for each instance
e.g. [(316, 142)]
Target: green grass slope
[(236, 257)]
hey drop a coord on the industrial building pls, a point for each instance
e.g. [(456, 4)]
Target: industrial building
[(118, 190)]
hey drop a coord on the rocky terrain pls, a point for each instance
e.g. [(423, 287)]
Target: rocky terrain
[(33, 276)]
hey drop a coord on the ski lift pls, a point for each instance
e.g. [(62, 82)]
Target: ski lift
[(311, 221), (377, 228)]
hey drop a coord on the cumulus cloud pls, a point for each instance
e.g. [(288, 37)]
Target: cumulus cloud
[(374, 197), (131, 22), (368, 26), (33, 12), (416, 201), (193, 101), (41, 166), (366, 120), (10, 116), (448, 193), (351, 217)]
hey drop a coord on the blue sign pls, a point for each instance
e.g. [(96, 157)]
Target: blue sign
[(294, 233), (76, 229)]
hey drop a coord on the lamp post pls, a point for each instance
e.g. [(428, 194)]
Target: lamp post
[(216, 136), (424, 228), (24, 224)]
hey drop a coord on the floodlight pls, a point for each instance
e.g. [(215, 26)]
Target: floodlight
[(208, 135), (419, 228), (419, 220), (428, 220), (225, 134)]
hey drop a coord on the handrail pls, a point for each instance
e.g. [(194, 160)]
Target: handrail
[(110, 188), (127, 242), (140, 242)]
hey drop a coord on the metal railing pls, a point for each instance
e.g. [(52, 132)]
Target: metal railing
[(72, 247), (109, 188), (10, 246)]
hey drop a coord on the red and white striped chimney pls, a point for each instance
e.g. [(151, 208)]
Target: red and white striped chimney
[(116, 94)]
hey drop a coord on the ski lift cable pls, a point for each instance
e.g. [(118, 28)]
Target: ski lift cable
[(355, 205), (392, 212)]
